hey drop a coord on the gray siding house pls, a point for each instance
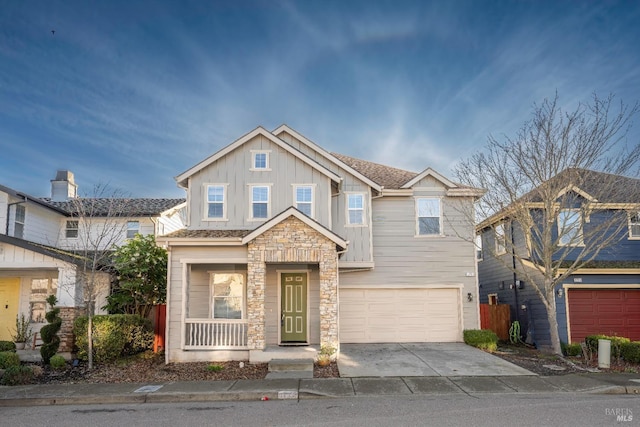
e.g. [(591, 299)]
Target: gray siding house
[(288, 245)]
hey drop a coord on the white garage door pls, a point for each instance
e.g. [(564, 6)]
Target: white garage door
[(399, 315)]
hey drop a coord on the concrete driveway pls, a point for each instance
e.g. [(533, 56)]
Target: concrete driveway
[(422, 360)]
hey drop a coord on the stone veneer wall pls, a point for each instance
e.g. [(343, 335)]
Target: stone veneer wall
[(292, 241), (68, 316)]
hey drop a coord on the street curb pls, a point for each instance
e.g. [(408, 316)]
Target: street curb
[(73, 400)]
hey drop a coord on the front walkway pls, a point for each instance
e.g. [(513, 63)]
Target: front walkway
[(422, 360)]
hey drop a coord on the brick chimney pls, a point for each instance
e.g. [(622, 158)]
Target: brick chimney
[(63, 187)]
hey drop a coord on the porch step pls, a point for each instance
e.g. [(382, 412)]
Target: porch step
[(290, 368)]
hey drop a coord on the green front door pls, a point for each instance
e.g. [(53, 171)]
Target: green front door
[(293, 296)]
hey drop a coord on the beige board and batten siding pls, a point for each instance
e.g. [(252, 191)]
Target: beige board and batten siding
[(181, 260), (233, 170)]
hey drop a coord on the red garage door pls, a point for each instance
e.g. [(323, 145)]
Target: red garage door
[(609, 312)]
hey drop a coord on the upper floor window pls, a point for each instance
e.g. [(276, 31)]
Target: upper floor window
[(428, 216), (259, 160), (478, 243), (71, 230), (569, 227), (215, 202), (133, 228), (634, 225), (304, 199), (227, 295), (500, 238), (355, 209), (259, 201), (18, 225)]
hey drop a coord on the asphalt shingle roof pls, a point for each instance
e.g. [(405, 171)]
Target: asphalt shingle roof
[(209, 234), (386, 176), (122, 207)]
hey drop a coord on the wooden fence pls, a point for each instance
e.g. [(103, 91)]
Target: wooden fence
[(497, 318)]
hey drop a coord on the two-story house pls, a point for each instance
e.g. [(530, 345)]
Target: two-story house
[(596, 218), (41, 248), (289, 245)]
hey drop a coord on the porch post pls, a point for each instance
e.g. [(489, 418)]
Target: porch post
[(329, 299), (256, 284)]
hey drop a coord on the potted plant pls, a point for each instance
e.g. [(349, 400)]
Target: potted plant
[(23, 332), (325, 355)]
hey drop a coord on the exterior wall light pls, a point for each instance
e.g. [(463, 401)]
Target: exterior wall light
[(469, 297)]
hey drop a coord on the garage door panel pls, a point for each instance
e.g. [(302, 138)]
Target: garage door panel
[(399, 315)]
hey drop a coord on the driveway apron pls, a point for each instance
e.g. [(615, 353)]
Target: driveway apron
[(421, 360)]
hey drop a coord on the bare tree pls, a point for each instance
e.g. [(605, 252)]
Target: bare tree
[(558, 172), (101, 225)]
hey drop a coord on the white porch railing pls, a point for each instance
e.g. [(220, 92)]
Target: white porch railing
[(215, 334)]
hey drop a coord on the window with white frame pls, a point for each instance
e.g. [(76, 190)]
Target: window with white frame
[(428, 213), (479, 255), (18, 224), (215, 201), (634, 225), (260, 160), (500, 235), (133, 228), (355, 209), (259, 201), (71, 229), (569, 227), (304, 199), (227, 295), (40, 291)]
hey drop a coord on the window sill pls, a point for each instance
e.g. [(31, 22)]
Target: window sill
[(355, 225), (215, 219), (259, 170)]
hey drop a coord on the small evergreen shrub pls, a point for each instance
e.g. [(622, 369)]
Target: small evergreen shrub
[(215, 368), (9, 358), (7, 346), (630, 351), (616, 343), (17, 375), (57, 362), (484, 339), (49, 333), (114, 336), (571, 350)]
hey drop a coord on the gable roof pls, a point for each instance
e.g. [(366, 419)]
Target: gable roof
[(135, 207), (26, 197), (247, 137), (339, 241), (42, 249)]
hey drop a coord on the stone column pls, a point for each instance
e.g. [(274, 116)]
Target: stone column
[(256, 278), (329, 299)]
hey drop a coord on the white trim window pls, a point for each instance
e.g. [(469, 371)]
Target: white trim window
[(303, 196), (570, 227), (355, 209), (260, 161), (428, 216), (260, 205), (227, 296), (500, 237), (71, 229), (215, 202), (478, 245), (18, 223), (634, 225), (133, 228)]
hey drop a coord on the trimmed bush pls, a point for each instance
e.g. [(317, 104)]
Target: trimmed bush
[(484, 339), (49, 333), (17, 375), (571, 349), (7, 346), (57, 362), (616, 343), (630, 351), (114, 335), (9, 358)]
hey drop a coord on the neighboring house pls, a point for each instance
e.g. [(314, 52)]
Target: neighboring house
[(604, 296), (289, 245), (40, 249)]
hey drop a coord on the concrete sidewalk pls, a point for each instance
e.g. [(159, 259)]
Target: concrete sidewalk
[(202, 391)]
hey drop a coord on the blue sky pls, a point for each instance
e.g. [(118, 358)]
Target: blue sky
[(132, 93)]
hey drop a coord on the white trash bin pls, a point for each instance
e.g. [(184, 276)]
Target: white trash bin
[(604, 354)]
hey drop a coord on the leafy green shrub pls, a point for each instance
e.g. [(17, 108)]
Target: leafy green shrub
[(49, 333), (17, 375), (114, 335), (7, 346), (573, 349), (57, 362), (9, 358), (616, 343), (630, 351), (484, 339), (215, 368)]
